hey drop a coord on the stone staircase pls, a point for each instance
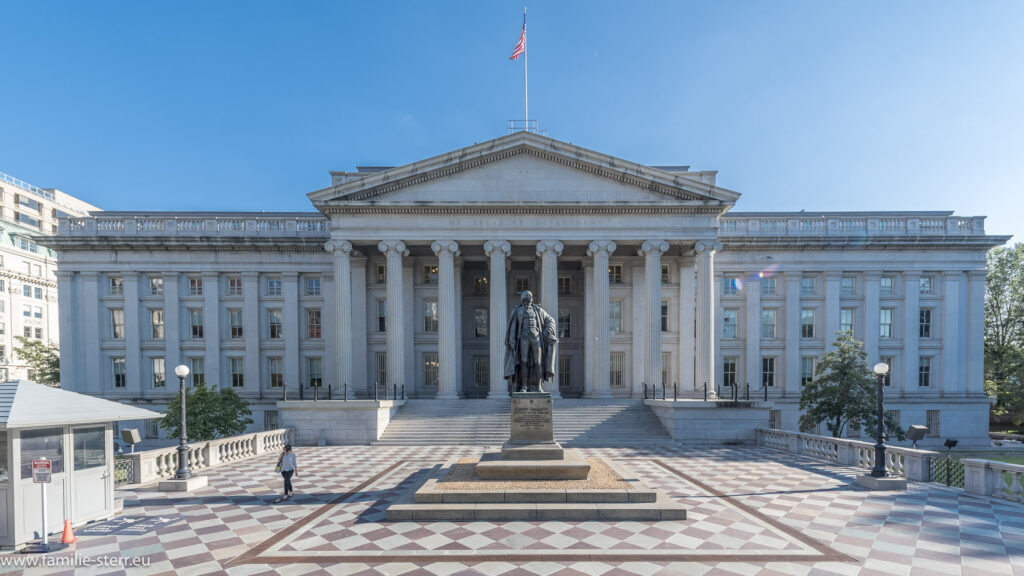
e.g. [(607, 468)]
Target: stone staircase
[(578, 422)]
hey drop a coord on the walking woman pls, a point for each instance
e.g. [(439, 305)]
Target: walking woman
[(289, 466)]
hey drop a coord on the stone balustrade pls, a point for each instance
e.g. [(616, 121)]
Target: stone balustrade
[(192, 224), (903, 462), (152, 465), (859, 224), (995, 479)]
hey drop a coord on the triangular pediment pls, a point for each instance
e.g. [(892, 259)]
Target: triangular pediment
[(522, 168)]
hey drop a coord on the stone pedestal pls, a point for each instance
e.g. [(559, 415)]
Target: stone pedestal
[(888, 483), (188, 485)]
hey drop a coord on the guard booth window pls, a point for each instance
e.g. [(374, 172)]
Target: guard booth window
[(44, 442), (89, 448), (3, 456)]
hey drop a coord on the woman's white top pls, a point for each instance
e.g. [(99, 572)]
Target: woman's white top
[(288, 462)]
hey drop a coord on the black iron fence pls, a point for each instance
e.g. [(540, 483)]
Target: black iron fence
[(124, 471), (948, 471)]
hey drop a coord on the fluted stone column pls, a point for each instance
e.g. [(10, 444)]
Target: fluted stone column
[(601, 250), (342, 252), (394, 250), (498, 251), (687, 345), (549, 251), (447, 333), (707, 310), (652, 251)]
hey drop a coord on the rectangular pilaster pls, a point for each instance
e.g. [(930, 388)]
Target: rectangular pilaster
[(791, 381), (832, 308), (71, 366), (211, 328), (172, 321), (912, 336), (948, 381), (100, 329), (872, 316), (250, 334), (290, 324), (132, 328), (753, 334)]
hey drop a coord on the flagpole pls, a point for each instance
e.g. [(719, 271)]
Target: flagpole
[(526, 77)]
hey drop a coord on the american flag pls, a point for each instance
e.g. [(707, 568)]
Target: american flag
[(521, 45)]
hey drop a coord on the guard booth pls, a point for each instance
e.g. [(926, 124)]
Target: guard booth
[(75, 433)]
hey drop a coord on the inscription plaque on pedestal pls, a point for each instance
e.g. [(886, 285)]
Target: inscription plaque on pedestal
[(532, 419)]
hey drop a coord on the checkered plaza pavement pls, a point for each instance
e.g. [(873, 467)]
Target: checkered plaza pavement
[(752, 510)]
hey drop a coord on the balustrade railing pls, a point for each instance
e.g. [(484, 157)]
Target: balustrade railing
[(838, 224), (151, 465), (905, 462), (206, 224)]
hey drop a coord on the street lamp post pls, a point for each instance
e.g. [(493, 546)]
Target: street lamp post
[(183, 473), (878, 471)]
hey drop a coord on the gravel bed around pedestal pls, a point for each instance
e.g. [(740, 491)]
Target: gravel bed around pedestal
[(462, 476)]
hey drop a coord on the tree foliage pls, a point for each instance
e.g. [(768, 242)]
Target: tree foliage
[(1004, 331), (844, 392), (211, 413), (42, 359)]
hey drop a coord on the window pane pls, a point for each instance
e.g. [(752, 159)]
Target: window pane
[(44, 443), (90, 447), (4, 475), (481, 322)]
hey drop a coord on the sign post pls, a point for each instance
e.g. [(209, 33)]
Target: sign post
[(42, 474)]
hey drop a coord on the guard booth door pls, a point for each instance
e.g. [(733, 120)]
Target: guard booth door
[(92, 482)]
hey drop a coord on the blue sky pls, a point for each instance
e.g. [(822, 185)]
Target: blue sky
[(812, 105)]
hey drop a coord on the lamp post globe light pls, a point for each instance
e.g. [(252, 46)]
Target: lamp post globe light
[(878, 471), (183, 473)]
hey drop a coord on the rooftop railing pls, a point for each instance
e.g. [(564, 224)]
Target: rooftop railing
[(852, 225), (198, 225), (26, 186)]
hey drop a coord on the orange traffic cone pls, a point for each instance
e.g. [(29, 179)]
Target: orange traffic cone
[(69, 534)]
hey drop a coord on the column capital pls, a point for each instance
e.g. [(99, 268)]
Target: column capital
[(707, 245), (445, 246), (872, 275), (971, 274), (250, 275), (342, 246), (653, 247), (549, 246), (388, 246), (601, 246), (502, 246)]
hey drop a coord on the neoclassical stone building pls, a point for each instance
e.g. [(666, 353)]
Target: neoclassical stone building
[(405, 276)]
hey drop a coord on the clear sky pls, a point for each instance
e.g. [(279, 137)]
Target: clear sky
[(198, 105)]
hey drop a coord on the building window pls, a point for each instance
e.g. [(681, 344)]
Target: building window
[(615, 368), (730, 285), (37, 293), (3, 330), (430, 376), (664, 315), (381, 316), (480, 287), (775, 419), (806, 370), (430, 274), (808, 286), (26, 244), (382, 274), (768, 286), (382, 368), (807, 323), (615, 274), (315, 371), (3, 287), (664, 274), (894, 415), (924, 372), (729, 323), (313, 324), (195, 286), (564, 285), (522, 284), (234, 286), (276, 370), (666, 368), (615, 316), (273, 286), (197, 371), (853, 431), (926, 323), (156, 286), (885, 285), (890, 362), (118, 370), (48, 442), (270, 420), (729, 370), (481, 322), (237, 368), (37, 312), (932, 422), (156, 320), (885, 323), (564, 372), (927, 285), (235, 322), (27, 332), (274, 324), (768, 323), (195, 319), (159, 373), (313, 286), (481, 372), (116, 323), (26, 291), (39, 333), (768, 371), (430, 315), (847, 286), (846, 319), (116, 286), (153, 428), (564, 323)]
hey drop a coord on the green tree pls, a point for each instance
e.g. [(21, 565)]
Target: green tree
[(844, 392), (43, 360), (1004, 332), (211, 413)]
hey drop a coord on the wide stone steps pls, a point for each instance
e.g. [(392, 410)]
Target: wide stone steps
[(578, 422)]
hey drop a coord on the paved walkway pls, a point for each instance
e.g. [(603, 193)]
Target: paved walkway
[(751, 511)]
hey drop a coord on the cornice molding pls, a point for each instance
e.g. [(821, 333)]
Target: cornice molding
[(519, 210), (173, 244)]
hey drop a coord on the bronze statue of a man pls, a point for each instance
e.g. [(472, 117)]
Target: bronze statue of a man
[(530, 346)]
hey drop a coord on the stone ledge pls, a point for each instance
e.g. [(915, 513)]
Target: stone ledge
[(888, 483), (572, 467), (189, 485), (661, 510)]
